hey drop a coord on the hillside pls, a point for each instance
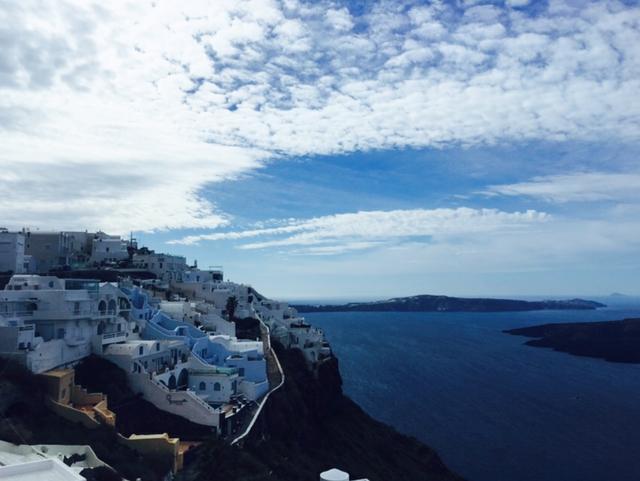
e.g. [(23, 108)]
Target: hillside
[(429, 303), (615, 341)]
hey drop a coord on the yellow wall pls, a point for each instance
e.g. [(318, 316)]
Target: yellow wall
[(72, 414), (156, 444), (60, 384)]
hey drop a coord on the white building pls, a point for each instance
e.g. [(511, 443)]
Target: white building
[(44, 462), (47, 322), (165, 266), (336, 475), (108, 248), (12, 256), (173, 380)]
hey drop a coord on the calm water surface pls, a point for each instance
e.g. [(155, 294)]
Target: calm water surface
[(494, 409)]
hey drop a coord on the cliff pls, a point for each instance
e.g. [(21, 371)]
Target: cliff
[(428, 303), (309, 426), (615, 341)]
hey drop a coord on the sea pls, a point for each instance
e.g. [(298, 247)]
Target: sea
[(493, 408)]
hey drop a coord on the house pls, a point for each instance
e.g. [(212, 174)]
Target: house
[(12, 255), (47, 322), (165, 266), (164, 372), (108, 248), (45, 462)]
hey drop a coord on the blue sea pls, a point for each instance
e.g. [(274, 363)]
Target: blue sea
[(493, 408)]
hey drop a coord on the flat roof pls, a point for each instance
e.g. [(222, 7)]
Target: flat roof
[(43, 470)]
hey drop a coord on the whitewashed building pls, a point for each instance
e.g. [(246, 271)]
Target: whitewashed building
[(12, 256), (47, 322), (165, 266), (108, 248)]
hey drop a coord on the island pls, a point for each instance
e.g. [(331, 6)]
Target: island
[(431, 303), (614, 341)]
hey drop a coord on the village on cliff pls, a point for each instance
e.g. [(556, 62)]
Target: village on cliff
[(170, 326)]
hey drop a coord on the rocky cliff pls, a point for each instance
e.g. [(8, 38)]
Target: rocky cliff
[(309, 426)]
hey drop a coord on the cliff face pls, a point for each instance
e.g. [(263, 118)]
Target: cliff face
[(309, 426)]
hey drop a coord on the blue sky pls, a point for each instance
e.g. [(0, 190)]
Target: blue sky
[(336, 149)]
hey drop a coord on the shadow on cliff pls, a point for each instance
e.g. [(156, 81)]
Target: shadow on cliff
[(309, 426)]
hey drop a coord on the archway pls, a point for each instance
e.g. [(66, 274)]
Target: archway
[(183, 379), (172, 382), (102, 307)]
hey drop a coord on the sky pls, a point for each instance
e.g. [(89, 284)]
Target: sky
[(335, 149)]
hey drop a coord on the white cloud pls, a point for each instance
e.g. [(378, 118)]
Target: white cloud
[(576, 187), (131, 109), (362, 230)]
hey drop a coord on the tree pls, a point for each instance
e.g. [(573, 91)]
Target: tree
[(232, 305)]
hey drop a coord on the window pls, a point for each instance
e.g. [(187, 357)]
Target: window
[(216, 386), (202, 386), (157, 346), (241, 371), (140, 350)]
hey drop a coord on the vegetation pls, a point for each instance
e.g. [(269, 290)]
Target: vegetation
[(232, 305)]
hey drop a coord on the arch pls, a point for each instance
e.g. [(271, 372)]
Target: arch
[(102, 307), (202, 386), (111, 307), (216, 386), (183, 379), (172, 382)]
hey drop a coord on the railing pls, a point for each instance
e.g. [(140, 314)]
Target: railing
[(188, 393), (113, 337), (264, 400)]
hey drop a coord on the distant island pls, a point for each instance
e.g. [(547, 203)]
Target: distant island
[(615, 341), (430, 303)]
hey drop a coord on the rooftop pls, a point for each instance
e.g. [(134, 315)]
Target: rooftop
[(41, 470)]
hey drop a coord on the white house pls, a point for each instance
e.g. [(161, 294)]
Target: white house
[(165, 266), (44, 462), (47, 322), (106, 247), (12, 256)]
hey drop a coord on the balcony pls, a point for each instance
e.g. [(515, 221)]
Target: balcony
[(113, 337)]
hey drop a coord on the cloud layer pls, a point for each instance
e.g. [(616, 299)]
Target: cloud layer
[(576, 187), (116, 115), (336, 234)]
